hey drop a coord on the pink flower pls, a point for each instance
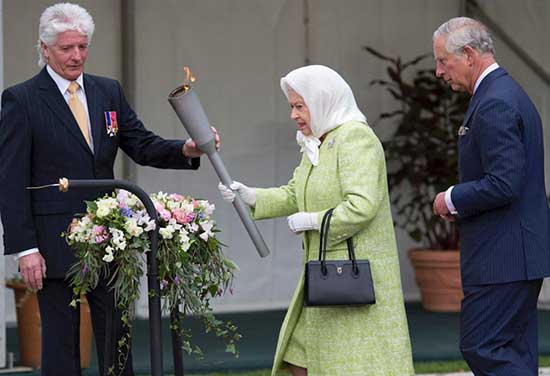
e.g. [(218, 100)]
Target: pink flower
[(99, 230), (100, 233), (182, 217), (122, 196), (176, 197), (165, 214), (196, 204), (158, 205), (74, 223)]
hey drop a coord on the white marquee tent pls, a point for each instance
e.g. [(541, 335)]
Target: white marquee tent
[(239, 49)]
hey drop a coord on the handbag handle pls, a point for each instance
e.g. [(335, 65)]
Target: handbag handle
[(325, 225)]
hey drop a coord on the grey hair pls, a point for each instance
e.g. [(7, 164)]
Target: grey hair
[(463, 31), (60, 18)]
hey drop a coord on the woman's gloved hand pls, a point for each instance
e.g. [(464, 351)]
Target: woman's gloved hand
[(247, 194), (302, 221)]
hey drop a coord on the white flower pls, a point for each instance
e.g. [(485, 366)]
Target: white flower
[(108, 254), (173, 205), (150, 225), (188, 208), (161, 196), (143, 218), (206, 227), (105, 206), (175, 225), (207, 207), (166, 232), (132, 227), (132, 200), (118, 238), (122, 195), (194, 227), (184, 238)]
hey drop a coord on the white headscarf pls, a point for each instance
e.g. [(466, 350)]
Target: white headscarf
[(330, 102)]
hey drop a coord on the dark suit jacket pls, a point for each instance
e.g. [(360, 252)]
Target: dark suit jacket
[(40, 142), (501, 198)]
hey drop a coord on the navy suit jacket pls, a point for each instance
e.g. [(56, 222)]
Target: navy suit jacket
[(40, 141), (501, 200)]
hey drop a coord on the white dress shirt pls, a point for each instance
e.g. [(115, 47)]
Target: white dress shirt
[(63, 86), (484, 74)]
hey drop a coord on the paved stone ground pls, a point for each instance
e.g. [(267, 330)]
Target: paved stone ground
[(542, 372)]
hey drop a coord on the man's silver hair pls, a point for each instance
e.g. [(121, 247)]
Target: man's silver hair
[(60, 18), (463, 31)]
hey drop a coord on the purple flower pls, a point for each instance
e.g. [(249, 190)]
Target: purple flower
[(101, 234), (84, 268), (176, 280), (127, 212), (165, 214), (163, 284)]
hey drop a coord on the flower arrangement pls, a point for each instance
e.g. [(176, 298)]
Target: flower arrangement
[(110, 242)]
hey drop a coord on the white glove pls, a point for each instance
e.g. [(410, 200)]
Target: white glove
[(247, 194), (302, 221)]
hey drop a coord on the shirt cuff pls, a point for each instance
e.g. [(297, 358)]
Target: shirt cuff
[(449, 202), (17, 256)]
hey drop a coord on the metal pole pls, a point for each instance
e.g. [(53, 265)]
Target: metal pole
[(152, 264), (176, 343)]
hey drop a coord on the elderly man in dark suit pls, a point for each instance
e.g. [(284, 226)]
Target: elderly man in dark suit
[(64, 123), (499, 203)]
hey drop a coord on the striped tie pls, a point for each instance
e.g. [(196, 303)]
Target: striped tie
[(78, 111)]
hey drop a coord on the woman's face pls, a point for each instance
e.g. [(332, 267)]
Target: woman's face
[(299, 112)]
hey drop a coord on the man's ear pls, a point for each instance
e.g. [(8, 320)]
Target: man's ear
[(470, 54), (45, 50)]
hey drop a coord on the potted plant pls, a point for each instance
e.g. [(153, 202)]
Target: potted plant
[(29, 326), (422, 161)]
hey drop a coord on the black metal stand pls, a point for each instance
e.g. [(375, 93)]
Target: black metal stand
[(176, 344), (152, 272)]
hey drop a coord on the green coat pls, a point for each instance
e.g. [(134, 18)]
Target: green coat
[(351, 177)]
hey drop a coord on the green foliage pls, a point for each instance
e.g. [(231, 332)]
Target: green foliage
[(422, 153), (111, 240)]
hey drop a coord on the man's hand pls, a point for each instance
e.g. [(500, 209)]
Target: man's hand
[(33, 269), (191, 150), (302, 221), (440, 207)]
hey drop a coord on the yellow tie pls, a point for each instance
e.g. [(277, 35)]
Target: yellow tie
[(78, 111)]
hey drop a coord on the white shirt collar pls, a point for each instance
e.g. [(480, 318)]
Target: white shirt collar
[(63, 83), (484, 74)]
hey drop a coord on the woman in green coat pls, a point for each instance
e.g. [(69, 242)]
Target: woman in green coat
[(342, 167)]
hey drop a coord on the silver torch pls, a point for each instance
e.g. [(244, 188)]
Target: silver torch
[(186, 103)]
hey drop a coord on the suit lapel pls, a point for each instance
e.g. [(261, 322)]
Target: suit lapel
[(50, 94), (481, 91), (97, 120)]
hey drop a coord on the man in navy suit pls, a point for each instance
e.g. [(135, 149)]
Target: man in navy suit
[(64, 123), (499, 204)]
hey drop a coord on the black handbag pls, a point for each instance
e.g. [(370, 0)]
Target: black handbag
[(337, 282)]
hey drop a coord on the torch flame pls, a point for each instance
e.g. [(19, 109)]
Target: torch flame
[(189, 78)]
